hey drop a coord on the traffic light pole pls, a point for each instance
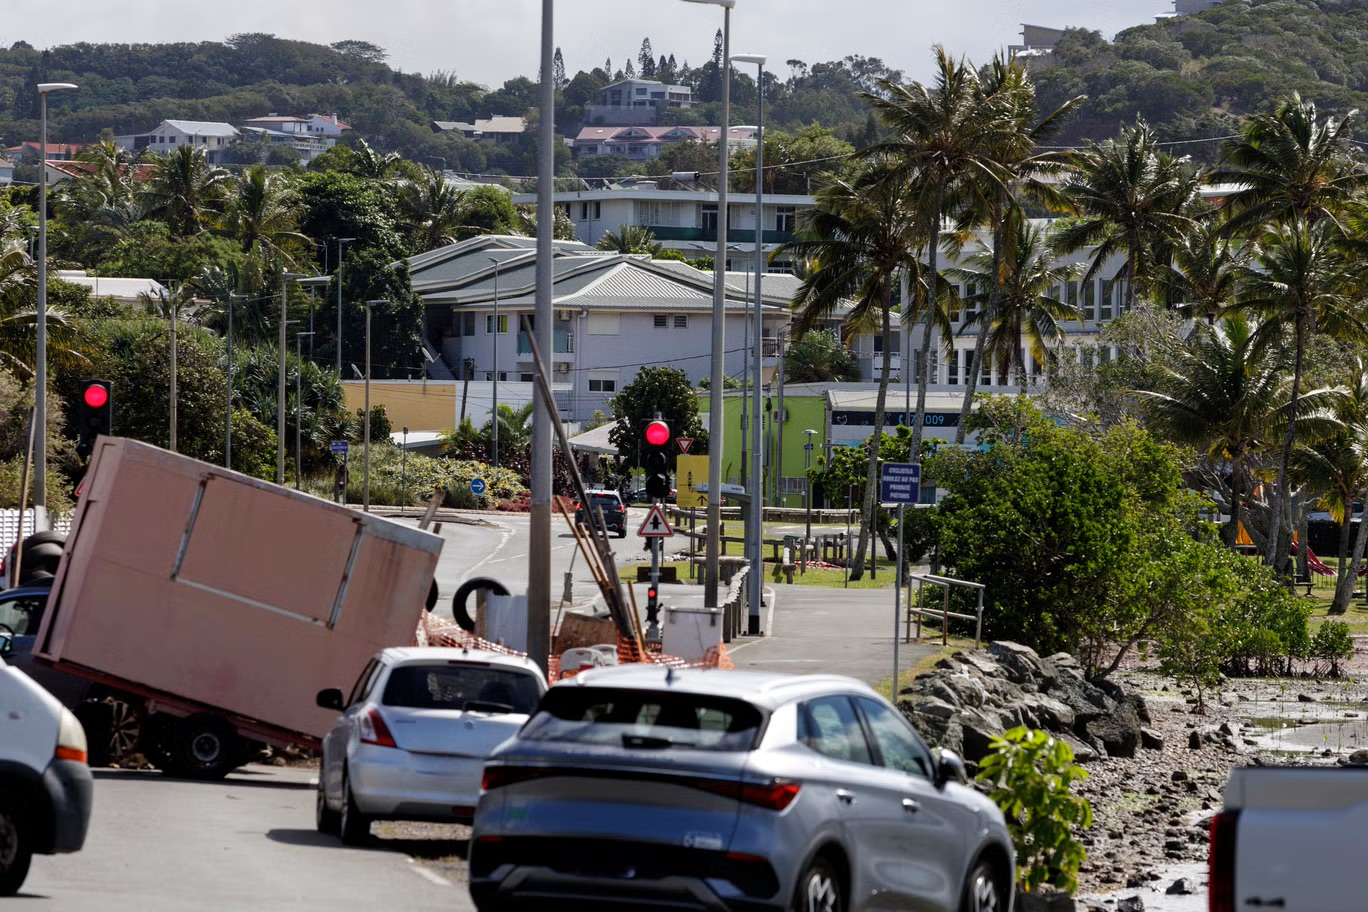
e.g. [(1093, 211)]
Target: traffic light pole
[(653, 604)]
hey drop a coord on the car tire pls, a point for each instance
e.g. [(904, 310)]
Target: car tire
[(203, 747), (983, 890), (326, 820), (820, 889), (622, 533), (353, 826), (15, 851)]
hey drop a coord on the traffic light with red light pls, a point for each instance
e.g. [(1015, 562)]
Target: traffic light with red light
[(656, 462), (652, 604), (94, 414)]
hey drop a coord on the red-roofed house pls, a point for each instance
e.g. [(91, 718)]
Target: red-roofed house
[(55, 151)]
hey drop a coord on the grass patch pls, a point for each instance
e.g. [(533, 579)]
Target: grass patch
[(923, 666), (829, 578)]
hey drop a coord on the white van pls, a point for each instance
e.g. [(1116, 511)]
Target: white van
[(45, 782)]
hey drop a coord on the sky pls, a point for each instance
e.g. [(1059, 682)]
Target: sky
[(490, 41)]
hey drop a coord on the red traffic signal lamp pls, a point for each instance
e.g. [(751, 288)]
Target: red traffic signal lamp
[(94, 414), (657, 433), (656, 461)]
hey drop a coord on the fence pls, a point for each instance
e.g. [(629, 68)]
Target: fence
[(9, 525), (945, 583)]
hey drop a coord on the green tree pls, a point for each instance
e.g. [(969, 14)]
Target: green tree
[(820, 357), (432, 206), (655, 390), (630, 239), (185, 191)]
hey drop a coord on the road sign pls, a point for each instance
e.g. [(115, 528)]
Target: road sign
[(900, 483), (339, 446), (477, 486), (685, 443), (656, 525), (691, 471)]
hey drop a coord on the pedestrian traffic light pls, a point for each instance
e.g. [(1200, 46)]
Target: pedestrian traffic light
[(94, 414), (652, 604), (656, 462)]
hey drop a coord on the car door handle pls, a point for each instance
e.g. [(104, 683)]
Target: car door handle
[(845, 796), (911, 806)]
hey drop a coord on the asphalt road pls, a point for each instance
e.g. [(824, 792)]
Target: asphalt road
[(247, 843)]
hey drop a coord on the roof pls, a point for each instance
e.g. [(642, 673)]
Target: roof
[(142, 170), (52, 148), (331, 118), (201, 127), (660, 134), (897, 399), (596, 440), (403, 655), (769, 689), (277, 118), (106, 287), (498, 124)]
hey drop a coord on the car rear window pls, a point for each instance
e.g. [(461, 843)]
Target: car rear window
[(599, 500), (647, 719), (482, 688)]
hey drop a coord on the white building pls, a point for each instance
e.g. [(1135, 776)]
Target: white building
[(646, 143), (6, 171), (214, 138), (637, 101), (309, 135), (495, 131)]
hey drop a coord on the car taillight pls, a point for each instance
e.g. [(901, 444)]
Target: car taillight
[(71, 739), (500, 776), (374, 730), (773, 796), (1221, 862)]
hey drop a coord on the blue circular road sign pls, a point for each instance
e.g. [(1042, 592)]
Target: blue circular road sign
[(477, 486)]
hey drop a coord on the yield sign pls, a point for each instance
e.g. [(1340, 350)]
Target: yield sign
[(655, 525), (685, 443)]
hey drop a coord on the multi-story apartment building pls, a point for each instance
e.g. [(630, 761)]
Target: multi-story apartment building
[(214, 138), (646, 143), (637, 101)]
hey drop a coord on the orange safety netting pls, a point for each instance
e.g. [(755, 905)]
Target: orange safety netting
[(435, 631)]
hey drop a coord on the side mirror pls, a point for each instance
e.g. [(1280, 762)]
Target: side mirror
[(6, 643), (949, 768), (331, 698)]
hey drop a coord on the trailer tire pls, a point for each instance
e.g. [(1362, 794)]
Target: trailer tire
[(97, 718), (202, 746), (458, 601)]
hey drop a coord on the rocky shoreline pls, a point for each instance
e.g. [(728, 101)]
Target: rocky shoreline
[(1157, 762)]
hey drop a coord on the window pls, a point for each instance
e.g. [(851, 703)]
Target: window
[(898, 745), (662, 321), (489, 323), (953, 379), (363, 683), (681, 321), (1071, 295), (986, 370), (895, 345), (22, 615), (603, 324), (489, 376), (1090, 299), (1104, 309), (644, 718), (454, 686), (603, 381), (708, 217), (786, 218), (829, 726), (525, 378), (971, 292), (467, 324)]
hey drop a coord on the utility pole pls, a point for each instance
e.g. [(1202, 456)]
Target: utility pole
[(171, 311)]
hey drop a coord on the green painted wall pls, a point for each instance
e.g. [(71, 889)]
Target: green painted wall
[(803, 413)]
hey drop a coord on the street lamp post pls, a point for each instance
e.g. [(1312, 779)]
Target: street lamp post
[(285, 278), (807, 481), (365, 445), (174, 413), (403, 473), (494, 414), (228, 418), (299, 400), (40, 360), (716, 418), (745, 376), (340, 242), (757, 365)]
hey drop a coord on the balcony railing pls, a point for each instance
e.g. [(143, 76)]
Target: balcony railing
[(562, 342), (734, 235)]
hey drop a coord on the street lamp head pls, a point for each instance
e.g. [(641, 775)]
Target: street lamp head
[(810, 431), (290, 276), (345, 240), (729, 4), (376, 303), (46, 87), (757, 59), (300, 335)]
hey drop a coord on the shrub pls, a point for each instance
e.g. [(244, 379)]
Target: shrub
[(1028, 773), (1331, 645)]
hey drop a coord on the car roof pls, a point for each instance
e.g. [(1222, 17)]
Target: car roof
[(769, 689), (418, 655), (603, 491)]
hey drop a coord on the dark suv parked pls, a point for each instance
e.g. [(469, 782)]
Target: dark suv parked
[(614, 513)]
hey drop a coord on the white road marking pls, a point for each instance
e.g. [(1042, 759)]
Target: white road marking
[(505, 533), (424, 873)]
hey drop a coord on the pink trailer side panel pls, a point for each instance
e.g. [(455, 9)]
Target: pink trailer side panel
[(188, 579)]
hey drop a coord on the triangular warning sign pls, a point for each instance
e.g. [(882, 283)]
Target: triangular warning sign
[(685, 443), (655, 524)]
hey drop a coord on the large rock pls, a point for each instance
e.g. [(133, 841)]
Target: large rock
[(1087, 702), (1049, 713), (978, 729), (1119, 732), (1022, 663)]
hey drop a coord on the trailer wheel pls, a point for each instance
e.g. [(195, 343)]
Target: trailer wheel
[(460, 612), (203, 746), (113, 729), (16, 851)]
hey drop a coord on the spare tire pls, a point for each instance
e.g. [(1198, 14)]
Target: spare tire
[(458, 601)]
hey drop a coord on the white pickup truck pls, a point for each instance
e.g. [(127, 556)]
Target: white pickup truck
[(45, 784), (1288, 838)]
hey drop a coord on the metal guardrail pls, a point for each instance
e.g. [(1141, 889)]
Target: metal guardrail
[(9, 526), (946, 583)]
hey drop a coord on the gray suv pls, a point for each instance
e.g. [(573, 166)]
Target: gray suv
[(644, 787)]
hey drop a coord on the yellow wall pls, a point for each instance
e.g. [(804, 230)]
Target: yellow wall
[(417, 405)]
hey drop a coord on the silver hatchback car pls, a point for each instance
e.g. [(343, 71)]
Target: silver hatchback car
[(413, 736), (641, 787)]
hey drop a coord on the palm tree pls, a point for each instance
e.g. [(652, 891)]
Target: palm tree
[(1337, 467), (1289, 165), (515, 426), (366, 162), (1224, 394), (19, 319), (1022, 304), (262, 212), (857, 240), (433, 206), (1135, 200), (185, 190), (1007, 84), (1299, 282), (630, 239), (1204, 276), (944, 136), (100, 206)]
